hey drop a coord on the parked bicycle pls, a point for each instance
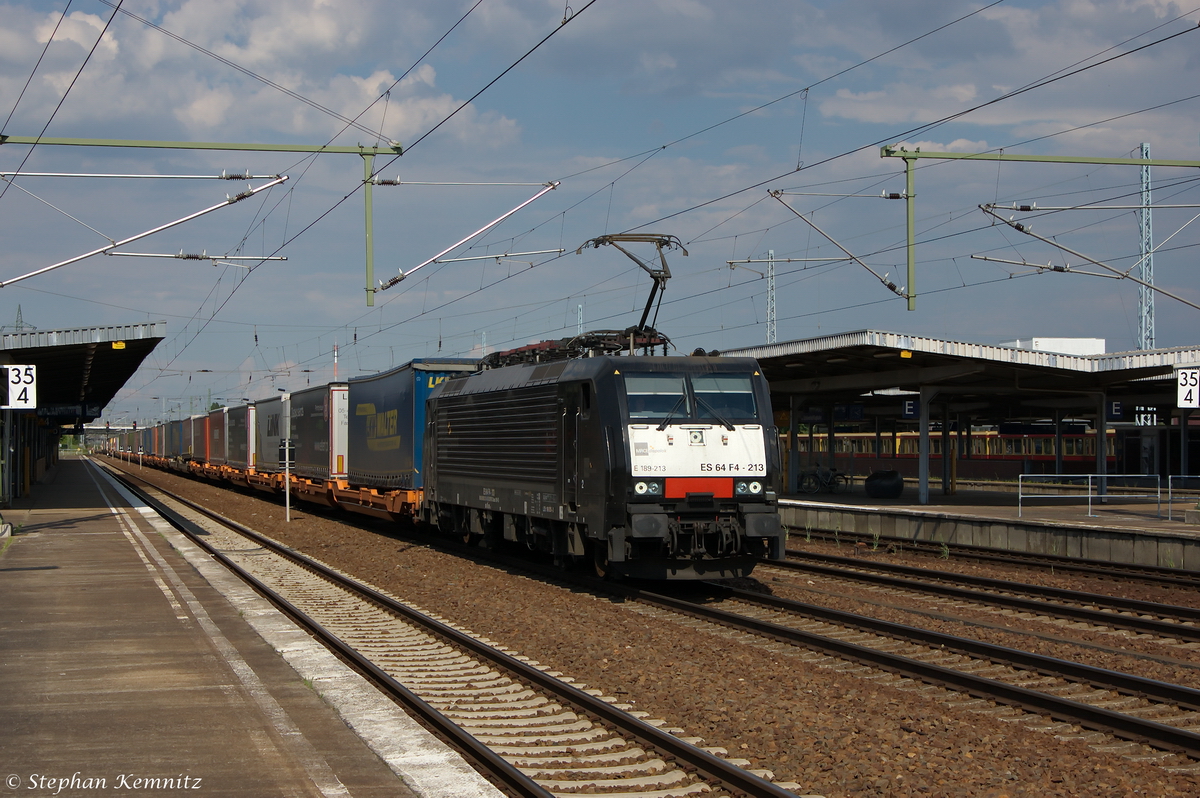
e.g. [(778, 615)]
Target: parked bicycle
[(829, 479)]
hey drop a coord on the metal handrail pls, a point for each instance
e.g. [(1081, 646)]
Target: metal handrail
[(1171, 489), (1099, 480)]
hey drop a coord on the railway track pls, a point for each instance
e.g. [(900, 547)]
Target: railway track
[(530, 729), (1175, 625), (1118, 713), (1113, 713)]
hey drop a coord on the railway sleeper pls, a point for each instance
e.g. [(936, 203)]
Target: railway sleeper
[(564, 747), (593, 734), (663, 781), (499, 717), (582, 772), (520, 700), (625, 756)]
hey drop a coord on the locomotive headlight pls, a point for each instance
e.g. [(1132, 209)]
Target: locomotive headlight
[(648, 487), (748, 488)]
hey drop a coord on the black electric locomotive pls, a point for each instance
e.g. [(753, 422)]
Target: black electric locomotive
[(651, 467)]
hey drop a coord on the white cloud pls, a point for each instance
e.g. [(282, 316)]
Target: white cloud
[(957, 145), (81, 29), (605, 93), (206, 110)]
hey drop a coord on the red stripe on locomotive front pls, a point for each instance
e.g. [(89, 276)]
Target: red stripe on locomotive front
[(680, 487)]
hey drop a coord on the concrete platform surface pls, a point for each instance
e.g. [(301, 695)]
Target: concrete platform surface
[(130, 662)]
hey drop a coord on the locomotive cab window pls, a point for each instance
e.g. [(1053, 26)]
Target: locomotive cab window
[(672, 398), (656, 396), (721, 396)]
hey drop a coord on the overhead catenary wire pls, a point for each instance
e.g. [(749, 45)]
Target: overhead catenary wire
[(349, 122), (250, 192), (66, 91), (1040, 83), (1023, 229), (685, 298), (359, 185), (33, 72), (819, 82)]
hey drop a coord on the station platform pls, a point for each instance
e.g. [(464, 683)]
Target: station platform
[(1137, 529), (130, 662)]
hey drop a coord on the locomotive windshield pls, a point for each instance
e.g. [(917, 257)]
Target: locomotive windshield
[(657, 395), (721, 396), (683, 397)]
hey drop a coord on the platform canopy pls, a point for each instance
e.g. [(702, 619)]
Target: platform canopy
[(875, 375), (80, 370), (873, 366)]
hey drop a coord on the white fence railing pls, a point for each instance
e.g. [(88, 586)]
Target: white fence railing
[(1181, 483), (1099, 486)]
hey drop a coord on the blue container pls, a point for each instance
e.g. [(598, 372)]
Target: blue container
[(387, 421), (174, 439)]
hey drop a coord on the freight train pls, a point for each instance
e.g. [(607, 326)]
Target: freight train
[(645, 467)]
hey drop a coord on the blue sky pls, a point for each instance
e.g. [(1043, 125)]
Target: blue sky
[(674, 117)]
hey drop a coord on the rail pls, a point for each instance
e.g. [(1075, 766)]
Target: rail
[(1097, 487), (710, 766)]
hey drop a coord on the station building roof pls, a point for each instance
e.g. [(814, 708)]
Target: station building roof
[(80, 370), (876, 368)]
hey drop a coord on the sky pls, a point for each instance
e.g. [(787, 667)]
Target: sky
[(725, 125)]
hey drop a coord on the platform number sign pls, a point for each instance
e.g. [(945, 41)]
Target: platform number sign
[(1188, 385), (20, 388)]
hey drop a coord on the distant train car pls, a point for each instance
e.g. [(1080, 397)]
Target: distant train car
[(272, 419), (319, 431), (174, 447), (218, 436), (387, 421), (654, 467), (239, 452), (1020, 443)]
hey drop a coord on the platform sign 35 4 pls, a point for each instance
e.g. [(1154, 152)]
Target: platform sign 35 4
[(1187, 382), (20, 388)]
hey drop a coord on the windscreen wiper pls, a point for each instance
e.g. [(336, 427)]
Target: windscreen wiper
[(671, 412), (713, 410)]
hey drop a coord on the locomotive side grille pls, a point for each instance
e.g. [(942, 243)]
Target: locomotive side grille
[(512, 435)]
